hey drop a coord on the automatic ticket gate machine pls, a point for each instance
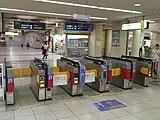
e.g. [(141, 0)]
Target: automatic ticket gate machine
[(102, 67), (76, 80), (9, 88), (41, 84), (143, 69), (122, 72)]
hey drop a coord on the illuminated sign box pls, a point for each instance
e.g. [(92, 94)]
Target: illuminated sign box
[(78, 26), (135, 26), (24, 25)]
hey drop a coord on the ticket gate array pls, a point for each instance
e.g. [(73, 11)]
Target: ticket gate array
[(122, 72), (102, 78), (144, 69), (41, 82), (76, 80)]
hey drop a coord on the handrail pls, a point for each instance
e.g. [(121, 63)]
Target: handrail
[(70, 60), (138, 58), (95, 59)]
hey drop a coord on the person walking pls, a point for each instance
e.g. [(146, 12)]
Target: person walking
[(44, 50)]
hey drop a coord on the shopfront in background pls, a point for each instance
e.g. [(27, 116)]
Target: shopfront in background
[(77, 38), (72, 40)]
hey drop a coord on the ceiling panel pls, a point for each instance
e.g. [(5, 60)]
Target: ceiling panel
[(148, 7)]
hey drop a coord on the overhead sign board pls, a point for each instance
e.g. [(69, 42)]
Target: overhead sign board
[(78, 26), (81, 17), (29, 25), (135, 26)]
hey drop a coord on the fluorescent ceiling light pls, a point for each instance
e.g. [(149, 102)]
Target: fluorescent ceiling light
[(99, 18), (151, 21), (11, 33), (35, 12), (45, 13), (137, 5), (88, 6)]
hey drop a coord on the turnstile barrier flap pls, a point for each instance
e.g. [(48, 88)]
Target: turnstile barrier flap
[(144, 70), (55, 69), (16, 72), (117, 71)]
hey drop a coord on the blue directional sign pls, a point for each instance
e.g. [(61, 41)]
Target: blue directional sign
[(109, 105)]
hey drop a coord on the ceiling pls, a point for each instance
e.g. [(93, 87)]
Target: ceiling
[(148, 7)]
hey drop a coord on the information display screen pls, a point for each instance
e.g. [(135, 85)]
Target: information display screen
[(78, 26), (29, 25)]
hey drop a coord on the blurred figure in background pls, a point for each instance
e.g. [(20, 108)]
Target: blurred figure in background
[(44, 50), (156, 56), (156, 52)]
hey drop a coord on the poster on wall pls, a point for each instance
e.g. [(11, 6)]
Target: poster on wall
[(115, 38)]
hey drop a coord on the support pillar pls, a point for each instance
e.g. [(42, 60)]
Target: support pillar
[(136, 43), (108, 43), (95, 42), (1, 22)]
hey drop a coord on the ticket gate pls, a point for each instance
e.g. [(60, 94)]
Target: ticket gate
[(76, 80), (122, 72), (102, 67), (41, 83), (9, 81), (144, 69)]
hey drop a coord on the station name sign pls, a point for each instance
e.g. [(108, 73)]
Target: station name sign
[(71, 26), (29, 25), (135, 26)]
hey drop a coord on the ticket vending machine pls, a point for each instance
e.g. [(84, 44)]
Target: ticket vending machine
[(10, 90), (77, 75), (101, 84), (40, 85)]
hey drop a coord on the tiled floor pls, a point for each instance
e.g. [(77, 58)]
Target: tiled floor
[(142, 103)]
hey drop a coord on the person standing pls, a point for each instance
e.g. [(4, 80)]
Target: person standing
[(44, 50), (156, 56)]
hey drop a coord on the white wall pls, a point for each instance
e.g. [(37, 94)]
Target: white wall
[(155, 38), (35, 39), (154, 29), (15, 41)]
